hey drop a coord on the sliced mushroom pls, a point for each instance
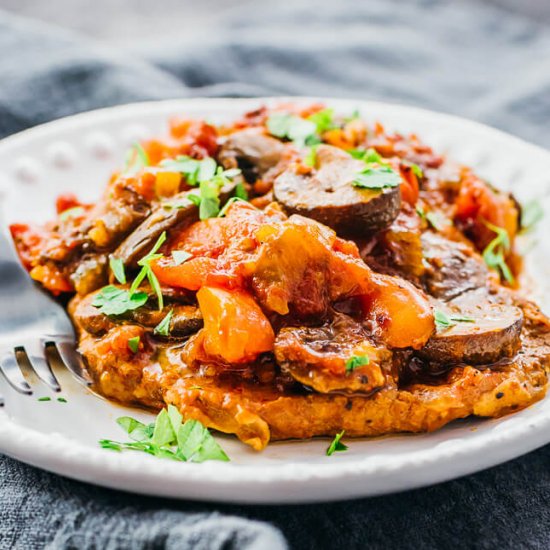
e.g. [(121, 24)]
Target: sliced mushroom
[(479, 336), (453, 268), (328, 196), (176, 211), (317, 357), (186, 319), (251, 151)]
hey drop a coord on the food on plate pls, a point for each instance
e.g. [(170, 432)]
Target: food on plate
[(295, 273)]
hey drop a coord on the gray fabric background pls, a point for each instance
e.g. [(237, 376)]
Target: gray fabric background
[(477, 61)]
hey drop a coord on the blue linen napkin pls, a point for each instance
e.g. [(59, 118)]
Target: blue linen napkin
[(471, 60)]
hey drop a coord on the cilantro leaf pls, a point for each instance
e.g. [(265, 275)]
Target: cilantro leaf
[(133, 343), (323, 120), (209, 206), (337, 445), (377, 178), (112, 300), (369, 155), (135, 429), (163, 328), (296, 129), (167, 437), (356, 361), (311, 157), (117, 267), (442, 320), (180, 256), (495, 252), (240, 192), (417, 171), (136, 160), (226, 206)]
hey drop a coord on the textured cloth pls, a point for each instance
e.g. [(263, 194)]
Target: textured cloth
[(474, 61)]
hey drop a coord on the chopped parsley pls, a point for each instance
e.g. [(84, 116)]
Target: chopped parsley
[(531, 214), (163, 328), (209, 206), (117, 267), (146, 271), (231, 201), (337, 446), (168, 437), (44, 399), (311, 157), (180, 256), (62, 400), (136, 160), (495, 252), (369, 155), (133, 343), (444, 321), (417, 171), (356, 361), (240, 191), (112, 300), (323, 120), (377, 177), (299, 130)]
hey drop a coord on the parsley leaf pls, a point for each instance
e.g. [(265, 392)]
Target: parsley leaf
[(167, 437), (117, 267), (369, 155), (495, 252), (444, 321), (209, 206), (133, 343), (180, 256), (323, 120), (163, 328), (146, 271), (136, 160), (337, 445), (311, 157), (356, 361), (240, 191), (112, 300), (377, 178), (299, 130)]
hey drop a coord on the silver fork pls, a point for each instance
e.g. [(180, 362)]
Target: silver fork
[(31, 322)]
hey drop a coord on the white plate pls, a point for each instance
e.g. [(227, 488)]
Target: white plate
[(78, 154)]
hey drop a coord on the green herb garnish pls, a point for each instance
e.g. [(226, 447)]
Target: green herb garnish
[(299, 130), (417, 171), (163, 328), (356, 361), (117, 267), (444, 321), (240, 191), (337, 445), (62, 400), (133, 344), (146, 271), (369, 155), (377, 178), (495, 252), (180, 256), (44, 399), (437, 220), (112, 300), (323, 120), (169, 438), (311, 157), (226, 206), (136, 160)]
